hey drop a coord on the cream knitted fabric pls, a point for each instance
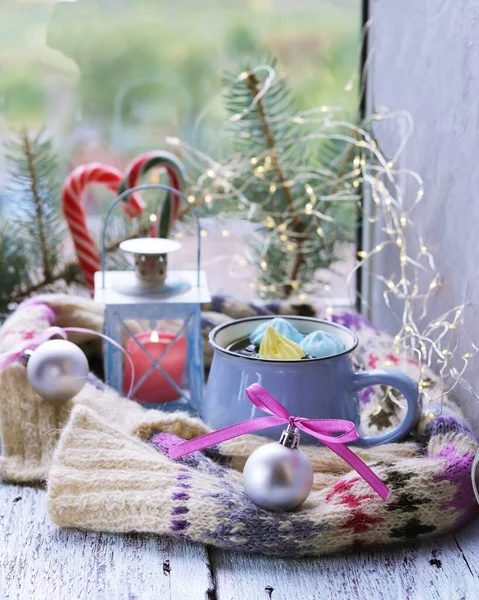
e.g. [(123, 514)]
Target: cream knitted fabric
[(103, 479), (110, 471), (29, 425)]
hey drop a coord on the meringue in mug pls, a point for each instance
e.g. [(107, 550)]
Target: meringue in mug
[(282, 326), (319, 344), (279, 339), (277, 347)]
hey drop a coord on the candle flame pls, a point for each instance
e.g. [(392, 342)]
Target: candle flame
[(154, 337)]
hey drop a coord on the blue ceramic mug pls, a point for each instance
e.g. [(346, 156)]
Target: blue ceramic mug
[(315, 388)]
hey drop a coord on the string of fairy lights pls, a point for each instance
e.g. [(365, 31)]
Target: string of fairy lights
[(440, 343)]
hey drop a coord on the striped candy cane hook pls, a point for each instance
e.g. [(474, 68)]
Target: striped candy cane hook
[(72, 192), (176, 174)]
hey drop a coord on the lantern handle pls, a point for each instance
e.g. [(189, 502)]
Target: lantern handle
[(139, 188)]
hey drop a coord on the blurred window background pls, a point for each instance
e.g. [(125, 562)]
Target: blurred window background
[(111, 78)]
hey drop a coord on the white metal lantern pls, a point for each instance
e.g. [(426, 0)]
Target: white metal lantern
[(150, 293)]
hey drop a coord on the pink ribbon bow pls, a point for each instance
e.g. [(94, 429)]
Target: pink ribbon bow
[(321, 429)]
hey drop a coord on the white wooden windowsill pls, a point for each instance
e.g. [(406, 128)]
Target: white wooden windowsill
[(39, 560)]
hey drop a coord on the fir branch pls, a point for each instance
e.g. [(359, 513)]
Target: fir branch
[(35, 188), (32, 245), (254, 86), (70, 273), (345, 165), (288, 180), (30, 159), (14, 265)]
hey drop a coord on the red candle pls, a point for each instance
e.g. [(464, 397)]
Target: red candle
[(156, 388)]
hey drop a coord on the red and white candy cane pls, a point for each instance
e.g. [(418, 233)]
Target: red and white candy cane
[(175, 170), (73, 188)]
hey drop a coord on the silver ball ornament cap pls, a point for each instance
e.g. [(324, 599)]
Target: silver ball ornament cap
[(57, 370), (278, 477)]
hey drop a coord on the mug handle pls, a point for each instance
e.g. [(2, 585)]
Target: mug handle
[(401, 382)]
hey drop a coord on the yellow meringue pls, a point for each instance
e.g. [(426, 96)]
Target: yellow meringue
[(274, 345)]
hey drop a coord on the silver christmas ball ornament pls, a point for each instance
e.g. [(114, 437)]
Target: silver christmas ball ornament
[(279, 476), (57, 370)]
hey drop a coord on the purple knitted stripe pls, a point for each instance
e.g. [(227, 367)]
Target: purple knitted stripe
[(180, 510), (47, 310), (266, 532), (457, 470), (352, 321), (180, 525), (444, 425), (180, 496), (163, 441), (219, 304), (366, 395)]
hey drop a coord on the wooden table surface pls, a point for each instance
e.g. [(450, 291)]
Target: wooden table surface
[(39, 560)]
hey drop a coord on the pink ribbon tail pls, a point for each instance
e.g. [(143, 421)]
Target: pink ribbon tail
[(116, 344), (361, 468), (19, 352), (227, 433), (319, 428)]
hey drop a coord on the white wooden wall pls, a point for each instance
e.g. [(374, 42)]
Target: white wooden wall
[(425, 59)]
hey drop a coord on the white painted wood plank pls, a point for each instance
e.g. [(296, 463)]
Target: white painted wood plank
[(468, 543), (434, 570), (40, 561), (37, 560)]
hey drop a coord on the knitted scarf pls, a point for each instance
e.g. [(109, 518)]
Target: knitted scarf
[(105, 458)]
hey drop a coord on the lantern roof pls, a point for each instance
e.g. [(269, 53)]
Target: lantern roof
[(123, 288)]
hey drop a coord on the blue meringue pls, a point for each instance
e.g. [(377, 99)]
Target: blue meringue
[(319, 344), (282, 326)]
